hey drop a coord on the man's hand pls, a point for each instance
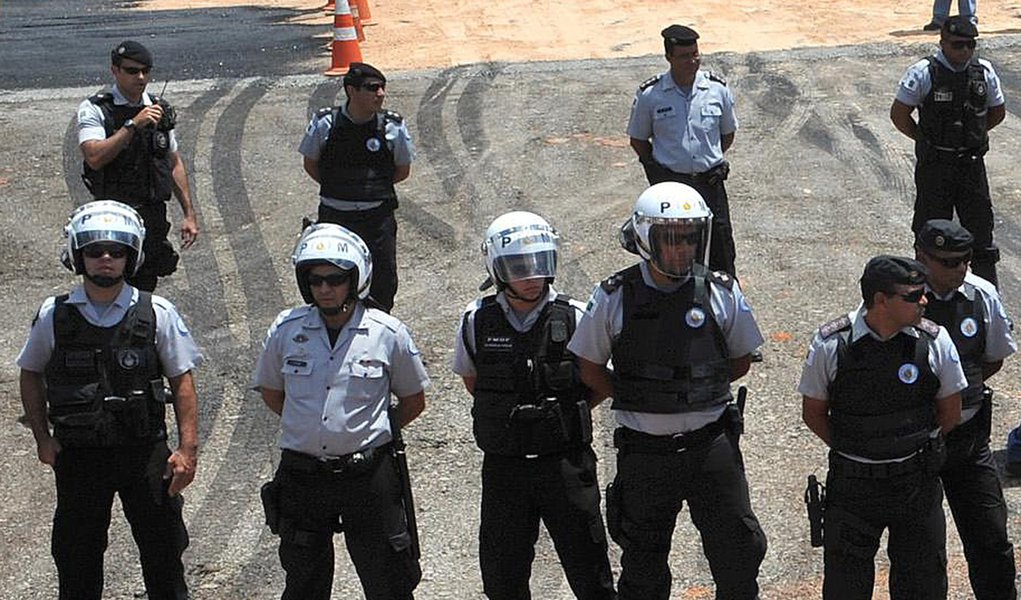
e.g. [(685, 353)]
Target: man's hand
[(148, 116), (48, 448), (181, 468), (189, 231)]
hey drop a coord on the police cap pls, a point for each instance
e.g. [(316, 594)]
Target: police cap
[(679, 35), (883, 272), (133, 51), (944, 235), (959, 26), (358, 72)]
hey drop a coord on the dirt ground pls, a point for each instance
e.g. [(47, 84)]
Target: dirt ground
[(413, 35)]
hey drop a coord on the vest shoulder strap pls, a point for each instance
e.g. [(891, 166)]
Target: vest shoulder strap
[(64, 322), (722, 278), (322, 112), (928, 327), (611, 283), (102, 99), (139, 325)]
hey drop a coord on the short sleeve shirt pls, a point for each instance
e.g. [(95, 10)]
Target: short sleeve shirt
[(177, 350), (916, 83), (685, 126), (90, 118), (336, 398), (604, 318)]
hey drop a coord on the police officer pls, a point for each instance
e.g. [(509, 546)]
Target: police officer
[(94, 365), (678, 335), (357, 152), (328, 369), (130, 154), (881, 386), (531, 416), (959, 100), (681, 124), (971, 311)]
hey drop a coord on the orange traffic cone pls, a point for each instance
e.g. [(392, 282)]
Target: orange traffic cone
[(345, 40), (330, 7), (364, 13), (356, 17)]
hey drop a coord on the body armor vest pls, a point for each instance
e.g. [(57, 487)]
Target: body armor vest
[(965, 320), (357, 163), (141, 173), (670, 356), (529, 399), (104, 385), (953, 115), (883, 396)]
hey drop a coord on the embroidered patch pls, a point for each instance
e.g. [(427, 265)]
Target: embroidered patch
[(969, 327), (695, 317), (908, 373)]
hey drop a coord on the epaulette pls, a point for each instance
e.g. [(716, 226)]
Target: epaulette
[(649, 82), (390, 322), (722, 278), (714, 76), (322, 112), (101, 98), (393, 116), (928, 327), (611, 283), (836, 325), (292, 314)]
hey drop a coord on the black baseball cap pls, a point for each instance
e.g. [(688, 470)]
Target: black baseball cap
[(679, 35), (133, 51), (944, 235), (358, 72), (959, 26), (883, 272)]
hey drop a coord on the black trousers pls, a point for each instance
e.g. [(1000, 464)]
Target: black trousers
[(651, 490), (722, 251), (560, 490), (378, 229), (87, 479), (367, 507), (857, 512), (976, 500), (943, 185), (160, 256)]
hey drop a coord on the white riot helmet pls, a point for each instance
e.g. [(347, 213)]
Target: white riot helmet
[(103, 221), (329, 243), (520, 245), (669, 215)]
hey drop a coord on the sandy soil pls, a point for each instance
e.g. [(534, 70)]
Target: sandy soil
[(409, 34)]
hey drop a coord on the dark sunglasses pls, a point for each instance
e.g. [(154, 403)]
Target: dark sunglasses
[(913, 297), (951, 262), (136, 70), (98, 250), (332, 280), (962, 44), (373, 87)]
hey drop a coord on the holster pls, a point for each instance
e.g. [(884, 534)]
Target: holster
[(270, 494), (815, 501)]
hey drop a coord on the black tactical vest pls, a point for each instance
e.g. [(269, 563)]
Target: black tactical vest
[(529, 399), (965, 320), (357, 163), (141, 173), (104, 385), (670, 356), (953, 115), (883, 397)]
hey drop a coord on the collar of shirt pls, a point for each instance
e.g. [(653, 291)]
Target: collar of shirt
[(649, 281), (524, 323), (963, 290), (701, 82), (91, 311), (942, 58), (120, 100), (343, 111), (860, 328), (314, 320)]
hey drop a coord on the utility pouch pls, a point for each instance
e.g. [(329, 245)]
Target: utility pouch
[(735, 420), (81, 420), (131, 413), (270, 494)]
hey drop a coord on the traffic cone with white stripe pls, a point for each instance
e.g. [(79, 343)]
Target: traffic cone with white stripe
[(356, 17), (330, 7), (364, 13), (345, 41)]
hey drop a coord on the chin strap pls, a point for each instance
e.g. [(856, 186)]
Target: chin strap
[(336, 310), (104, 281)]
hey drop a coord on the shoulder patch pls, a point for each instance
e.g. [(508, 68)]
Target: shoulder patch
[(649, 83), (842, 323), (714, 76), (393, 116), (293, 314), (722, 278), (611, 283), (929, 327)]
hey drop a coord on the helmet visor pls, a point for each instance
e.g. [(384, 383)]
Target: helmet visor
[(674, 247), (84, 238), (515, 267)]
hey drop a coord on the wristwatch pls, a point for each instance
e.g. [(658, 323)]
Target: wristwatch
[(129, 124)]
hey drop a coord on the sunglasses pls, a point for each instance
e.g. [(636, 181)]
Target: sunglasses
[(373, 87), (913, 297), (136, 70), (332, 280), (98, 250), (962, 44), (951, 262)]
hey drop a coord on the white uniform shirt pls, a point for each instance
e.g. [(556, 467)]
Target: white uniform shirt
[(90, 118), (602, 323), (916, 83), (685, 126), (175, 346), (462, 363), (336, 399), (398, 138)]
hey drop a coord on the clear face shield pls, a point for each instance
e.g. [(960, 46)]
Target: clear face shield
[(515, 267), (675, 245)]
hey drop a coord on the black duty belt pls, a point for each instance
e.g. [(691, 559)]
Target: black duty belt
[(355, 463), (854, 469), (637, 441)]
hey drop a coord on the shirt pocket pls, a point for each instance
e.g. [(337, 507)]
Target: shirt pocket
[(297, 372), (663, 112), (710, 115), (367, 381)]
